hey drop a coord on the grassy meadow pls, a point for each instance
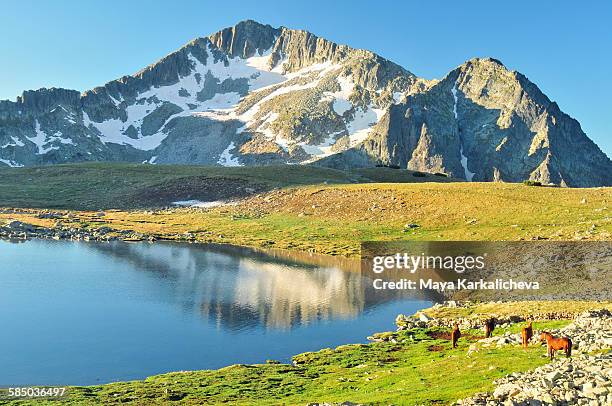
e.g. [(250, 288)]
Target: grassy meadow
[(303, 208)]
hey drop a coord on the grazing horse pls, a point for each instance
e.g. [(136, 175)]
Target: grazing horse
[(556, 343), (489, 327), (526, 334), (455, 335)]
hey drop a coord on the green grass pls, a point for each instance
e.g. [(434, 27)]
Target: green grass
[(407, 372), (94, 186)]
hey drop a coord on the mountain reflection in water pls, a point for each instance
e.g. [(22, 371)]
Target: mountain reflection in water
[(242, 288), (87, 313)]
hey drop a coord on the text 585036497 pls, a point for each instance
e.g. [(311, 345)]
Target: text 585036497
[(35, 392)]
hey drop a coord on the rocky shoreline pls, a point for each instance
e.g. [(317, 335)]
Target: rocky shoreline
[(474, 321), (17, 230)]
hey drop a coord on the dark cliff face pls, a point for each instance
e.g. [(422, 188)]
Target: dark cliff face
[(254, 94), (46, 99)]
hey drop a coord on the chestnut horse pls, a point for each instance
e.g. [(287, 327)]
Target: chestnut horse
[(455, 335), (489, 327), (556, 343), (526, 334)]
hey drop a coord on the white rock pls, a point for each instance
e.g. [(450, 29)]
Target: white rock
[(424, 317)]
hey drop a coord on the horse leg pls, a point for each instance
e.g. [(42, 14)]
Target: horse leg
[(548, 351)]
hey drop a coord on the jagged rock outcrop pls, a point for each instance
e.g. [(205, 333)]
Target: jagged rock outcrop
[(483, 122), (253, 94)]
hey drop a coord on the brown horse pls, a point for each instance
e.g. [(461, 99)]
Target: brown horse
[(526, 334), (489, 327), (556, 343), (455, 335)]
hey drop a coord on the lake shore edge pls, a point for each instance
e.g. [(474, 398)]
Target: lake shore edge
[(419, 340)]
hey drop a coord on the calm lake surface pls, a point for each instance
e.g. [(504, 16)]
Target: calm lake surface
[(77, 313)]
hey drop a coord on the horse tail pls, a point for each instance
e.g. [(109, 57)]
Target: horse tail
[(569, 347)]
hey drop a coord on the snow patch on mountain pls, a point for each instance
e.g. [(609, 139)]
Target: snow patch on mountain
[(16, 143), (255, 68), (464, 162), (323, 149), (115, 101), (41, 139), (340, 99), (454, 92), (227, 159), (359, 128), (201, 204), (264, 127), (220, 107), (10, 163), (69, 116)]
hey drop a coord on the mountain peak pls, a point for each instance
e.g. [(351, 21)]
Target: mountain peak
[(252, 24), (245, 38), (486, 63), (252, 94)]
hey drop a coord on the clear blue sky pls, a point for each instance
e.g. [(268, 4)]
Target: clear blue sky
[(564, 47)]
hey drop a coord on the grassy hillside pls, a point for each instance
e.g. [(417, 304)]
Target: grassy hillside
[(93, 186), (328, 218)]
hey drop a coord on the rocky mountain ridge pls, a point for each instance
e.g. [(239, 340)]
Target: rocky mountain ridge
[(253, 94)]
